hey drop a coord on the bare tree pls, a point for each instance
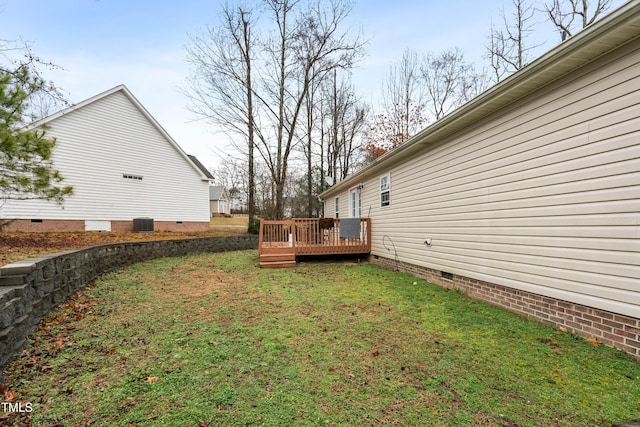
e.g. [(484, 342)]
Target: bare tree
[(16, 57), (221, 89), (257, 87), (508, 49), (403, 110), (570, 16), (449, 81), (403, 94), (347, 116), (335, 119), (266, 192), (303, 49), (308, 147)]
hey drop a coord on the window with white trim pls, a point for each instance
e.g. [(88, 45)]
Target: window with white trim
[(385, 190), (355, 201), (337, 207)]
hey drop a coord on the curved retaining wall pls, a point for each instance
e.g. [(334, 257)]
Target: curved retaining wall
[(29, 289)]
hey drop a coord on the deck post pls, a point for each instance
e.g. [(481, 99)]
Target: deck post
[(294, 240), (368, 225), (260, 237)]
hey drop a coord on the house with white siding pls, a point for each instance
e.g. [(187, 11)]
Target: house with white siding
[(122, 166), (220, 203), (528, 196)]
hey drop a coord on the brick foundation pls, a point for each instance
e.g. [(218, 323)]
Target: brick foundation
[(615, 330), (42, 225), (52, 225), (186, 226)]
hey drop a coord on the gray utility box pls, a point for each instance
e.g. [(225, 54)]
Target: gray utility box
[(143, 225)]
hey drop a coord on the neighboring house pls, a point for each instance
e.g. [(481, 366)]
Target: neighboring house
[(528, 196), (219, 201), (122, 165)]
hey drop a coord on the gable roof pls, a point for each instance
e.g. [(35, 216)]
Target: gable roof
[(217, 192), (614, 30), (122, 88), (200, 166)]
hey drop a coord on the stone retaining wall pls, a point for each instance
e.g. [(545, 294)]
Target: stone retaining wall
[(29, 289)]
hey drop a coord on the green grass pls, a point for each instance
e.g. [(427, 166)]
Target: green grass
[(214, 340)]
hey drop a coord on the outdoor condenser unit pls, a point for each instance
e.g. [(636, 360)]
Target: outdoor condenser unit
[(143, 225)]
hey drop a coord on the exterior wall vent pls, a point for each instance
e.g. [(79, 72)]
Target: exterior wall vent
[(446, 275), (143, 225)]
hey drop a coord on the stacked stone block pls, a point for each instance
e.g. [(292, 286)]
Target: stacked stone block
[(29, 289)]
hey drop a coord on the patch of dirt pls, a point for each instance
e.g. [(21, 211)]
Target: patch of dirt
[(188, 279), (209, 292)]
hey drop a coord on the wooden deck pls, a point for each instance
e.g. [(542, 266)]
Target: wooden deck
[(281, 242)]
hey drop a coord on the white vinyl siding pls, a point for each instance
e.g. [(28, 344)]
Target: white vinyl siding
[(133, 177), (97, 225), (543, 196), (343, 205), (120, 166)]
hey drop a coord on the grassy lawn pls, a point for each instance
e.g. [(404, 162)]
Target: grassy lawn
[(214, 340)]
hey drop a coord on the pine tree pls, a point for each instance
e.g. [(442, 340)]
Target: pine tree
[(26, 167)]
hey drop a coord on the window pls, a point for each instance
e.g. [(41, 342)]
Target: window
[(337, 207), (385, 190), (355, 202), (130, 176)]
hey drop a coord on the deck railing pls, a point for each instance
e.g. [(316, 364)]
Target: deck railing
[(313, 236)]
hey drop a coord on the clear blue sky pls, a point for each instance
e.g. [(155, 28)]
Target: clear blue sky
[(141, 43)]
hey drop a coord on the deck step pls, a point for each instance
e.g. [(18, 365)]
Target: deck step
[(282, 264), (277, 260)]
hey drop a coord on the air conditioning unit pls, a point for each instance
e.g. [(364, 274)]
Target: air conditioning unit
[(143, 225)]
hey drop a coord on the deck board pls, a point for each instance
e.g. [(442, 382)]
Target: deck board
[(310, 236)]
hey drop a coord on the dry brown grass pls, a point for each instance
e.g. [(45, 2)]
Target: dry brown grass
[(15, 246)]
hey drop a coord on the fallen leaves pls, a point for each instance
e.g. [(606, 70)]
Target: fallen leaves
[(151, 380), (53, 333), (9, 396), (59, 344), (551, 344), (593, 341)]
